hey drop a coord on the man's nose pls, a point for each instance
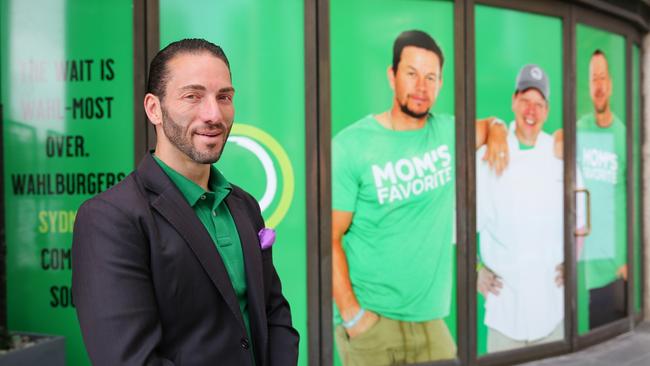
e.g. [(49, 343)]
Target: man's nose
[(420, 83), (531, 110), (211, 110)]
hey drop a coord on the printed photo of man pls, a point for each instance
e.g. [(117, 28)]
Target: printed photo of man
[(601, 158), (393, 197), (520, 221)]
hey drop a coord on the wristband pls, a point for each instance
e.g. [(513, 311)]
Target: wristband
[(352, 322)]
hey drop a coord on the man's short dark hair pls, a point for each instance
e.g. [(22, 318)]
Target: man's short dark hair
[(416, 38), (158, 73), (599, 52)]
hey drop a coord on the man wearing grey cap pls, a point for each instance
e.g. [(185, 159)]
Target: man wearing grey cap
[(520, 221)]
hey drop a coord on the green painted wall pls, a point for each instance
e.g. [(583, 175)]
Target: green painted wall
[(54, 94)]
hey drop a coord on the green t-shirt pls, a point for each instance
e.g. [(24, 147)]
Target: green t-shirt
[(400, 186), (523, 146), (601, 158)]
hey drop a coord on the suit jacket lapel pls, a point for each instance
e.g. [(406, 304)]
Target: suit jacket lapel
[(253, 265), (175, 209)]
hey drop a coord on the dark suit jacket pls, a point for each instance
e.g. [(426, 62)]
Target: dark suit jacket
[(151, 289)]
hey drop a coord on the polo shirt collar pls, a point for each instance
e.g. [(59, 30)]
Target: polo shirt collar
[(217, 184)]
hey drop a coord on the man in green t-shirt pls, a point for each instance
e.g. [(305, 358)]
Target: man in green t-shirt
[(393, 217), (601, 159)]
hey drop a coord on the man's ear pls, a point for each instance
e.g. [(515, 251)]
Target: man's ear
[(153, 109), (391, 77)]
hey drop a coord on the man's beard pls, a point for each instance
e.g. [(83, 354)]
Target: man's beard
[(176, 135), (409, 112), (602, 109)]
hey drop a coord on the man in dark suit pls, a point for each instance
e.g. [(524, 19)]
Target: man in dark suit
[(171, 266)]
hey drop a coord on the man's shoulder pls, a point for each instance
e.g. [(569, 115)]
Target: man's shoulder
[(545, 150), (240, 193), (358, 128), (617, 123), (443, 125), (585, 121), (442, 118), (123, 196), (545, 139), (588, 122), (250, 204)]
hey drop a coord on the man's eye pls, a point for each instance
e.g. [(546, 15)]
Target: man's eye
[(226, 97), (191, 97)]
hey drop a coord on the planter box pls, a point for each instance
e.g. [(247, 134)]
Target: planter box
[(46, 350)]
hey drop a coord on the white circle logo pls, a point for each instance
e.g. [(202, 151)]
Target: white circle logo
[(536, 73), (266, 149), (264, 158)]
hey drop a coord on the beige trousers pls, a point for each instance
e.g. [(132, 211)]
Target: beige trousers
[(394, 342), (497, 341)]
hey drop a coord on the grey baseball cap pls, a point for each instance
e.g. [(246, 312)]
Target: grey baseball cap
[(532, 76)]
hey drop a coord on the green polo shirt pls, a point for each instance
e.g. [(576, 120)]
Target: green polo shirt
[(211, 208)]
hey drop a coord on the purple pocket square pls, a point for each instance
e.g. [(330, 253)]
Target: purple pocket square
[(267, 238)]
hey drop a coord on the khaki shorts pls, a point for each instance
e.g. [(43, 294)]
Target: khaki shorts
[(497, 341), (394, 342)]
